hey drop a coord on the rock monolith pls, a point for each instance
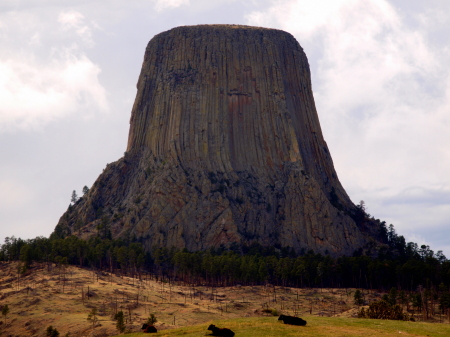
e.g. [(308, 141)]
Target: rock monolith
[(224, 147)]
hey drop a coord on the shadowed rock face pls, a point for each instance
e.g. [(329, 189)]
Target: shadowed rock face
[(224, 146)]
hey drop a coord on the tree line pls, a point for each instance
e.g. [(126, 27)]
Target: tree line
[(397, 264)]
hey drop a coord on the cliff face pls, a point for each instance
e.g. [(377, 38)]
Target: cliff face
[(224, 146)]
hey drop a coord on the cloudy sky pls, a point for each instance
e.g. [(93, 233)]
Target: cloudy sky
[(380, 74)]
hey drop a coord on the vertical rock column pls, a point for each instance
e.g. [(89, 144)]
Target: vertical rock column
[(230, 98)]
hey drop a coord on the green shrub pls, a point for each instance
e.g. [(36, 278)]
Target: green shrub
[(151, 319), (273, 312), (358, 297), (384, 310), (52, 332)]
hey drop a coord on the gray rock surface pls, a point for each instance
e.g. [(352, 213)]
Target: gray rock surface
[(225, 146)]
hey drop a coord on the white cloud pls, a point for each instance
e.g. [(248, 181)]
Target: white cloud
[(35, 40), (417, 238), (169, 4), (41, 82), (383, 98), (303, 17), (71, 19), (33, 94), (74, 21)]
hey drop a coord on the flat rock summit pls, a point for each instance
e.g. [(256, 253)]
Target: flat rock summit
[(225, 147)]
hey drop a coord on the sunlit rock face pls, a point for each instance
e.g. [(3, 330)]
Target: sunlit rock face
[(225, 146)]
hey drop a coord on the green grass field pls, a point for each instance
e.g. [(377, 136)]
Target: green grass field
[(317, 326)]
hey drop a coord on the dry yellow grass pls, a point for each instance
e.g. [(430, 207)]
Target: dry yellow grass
[(53, 296)]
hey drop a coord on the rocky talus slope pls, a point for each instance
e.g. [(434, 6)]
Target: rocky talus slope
[(225, 146)]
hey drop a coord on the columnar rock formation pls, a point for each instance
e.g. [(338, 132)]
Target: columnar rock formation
[(224, 147)]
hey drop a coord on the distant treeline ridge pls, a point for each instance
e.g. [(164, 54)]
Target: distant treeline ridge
[(398, 264)]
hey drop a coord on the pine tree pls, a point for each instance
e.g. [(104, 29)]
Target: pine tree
[(151, 319), (85, 190), (5, 311), (74, 198), (358, 298), (392, 297), (444, 302), (92, 317), (120, 325)]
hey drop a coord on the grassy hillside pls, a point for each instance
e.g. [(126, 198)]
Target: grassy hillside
[(56, 295), (317, 326)]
